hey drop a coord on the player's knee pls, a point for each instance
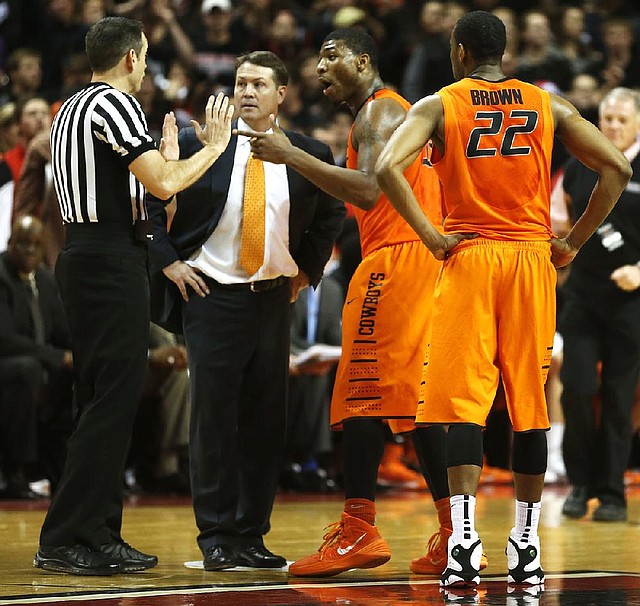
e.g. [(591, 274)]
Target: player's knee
[(529, 452), (464, 445)]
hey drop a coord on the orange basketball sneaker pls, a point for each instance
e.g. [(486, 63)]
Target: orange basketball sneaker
[(349, 543), (435, 560)]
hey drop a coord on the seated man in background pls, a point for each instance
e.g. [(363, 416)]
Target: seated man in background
[(35, 361), (161, 433)]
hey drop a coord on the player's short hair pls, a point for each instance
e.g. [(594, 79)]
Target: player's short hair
[(482, 34), (357, 41)]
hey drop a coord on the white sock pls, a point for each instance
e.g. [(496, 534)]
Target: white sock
[(527, 518), (463, 513)]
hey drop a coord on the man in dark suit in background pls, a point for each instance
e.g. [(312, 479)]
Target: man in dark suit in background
[(316, 321), (35, 360), (237, 289)]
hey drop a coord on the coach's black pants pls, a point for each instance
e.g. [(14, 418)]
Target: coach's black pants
[(238, 347)]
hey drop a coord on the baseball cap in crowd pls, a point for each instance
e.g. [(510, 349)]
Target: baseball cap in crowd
[(209, 5)]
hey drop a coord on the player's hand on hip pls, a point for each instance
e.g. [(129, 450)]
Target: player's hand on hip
[(217, 129), (447, 243), (562, 253), (183, 276), (273, 147)]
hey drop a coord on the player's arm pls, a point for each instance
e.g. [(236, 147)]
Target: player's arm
[(421, 124), (371, 131), (164, 178), (596, 152)]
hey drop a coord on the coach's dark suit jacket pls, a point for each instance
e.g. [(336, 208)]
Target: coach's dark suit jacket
[(315, 220)]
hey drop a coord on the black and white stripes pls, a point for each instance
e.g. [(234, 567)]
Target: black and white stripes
[(94, 133)]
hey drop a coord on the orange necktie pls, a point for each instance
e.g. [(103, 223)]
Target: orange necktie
[(253, 209)]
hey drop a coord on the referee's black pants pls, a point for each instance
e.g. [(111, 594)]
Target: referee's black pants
[(238, 347), (105, 291)]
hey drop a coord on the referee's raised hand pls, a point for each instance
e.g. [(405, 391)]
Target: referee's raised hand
[(217, 129)]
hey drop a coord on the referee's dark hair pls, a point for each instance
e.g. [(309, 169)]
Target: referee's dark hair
[(110, 39)]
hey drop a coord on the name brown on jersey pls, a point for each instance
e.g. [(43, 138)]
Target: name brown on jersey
[(503, 96)]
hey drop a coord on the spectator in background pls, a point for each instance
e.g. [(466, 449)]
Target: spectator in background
[(159, 447), (76, 72), (216, 43), (253, 20), (585, 94), (574, 41), (63, 36), (293, 112), (510, 20), (286, 36), (539, 59), (600, 323), (8, 127), (316, 320), (399, 22), (310, 88), (168, 41), (35, 195), (429, 68), (33, 116), (24, 73), (620, 64), (35, 355), (91, 11)]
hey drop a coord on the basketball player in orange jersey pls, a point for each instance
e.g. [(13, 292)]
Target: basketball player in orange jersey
[(387, 312), (494, 303)]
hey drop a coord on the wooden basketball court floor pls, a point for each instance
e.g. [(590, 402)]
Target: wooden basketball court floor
[(587, 563)]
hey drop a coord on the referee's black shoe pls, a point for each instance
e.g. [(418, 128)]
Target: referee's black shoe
[(128, 558), (76, 559)]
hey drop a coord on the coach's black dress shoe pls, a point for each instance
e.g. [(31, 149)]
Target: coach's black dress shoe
[(219, 557), (259, 557), (128, 558), (77, 559)]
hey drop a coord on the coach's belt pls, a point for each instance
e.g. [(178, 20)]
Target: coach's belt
[(257, 286)]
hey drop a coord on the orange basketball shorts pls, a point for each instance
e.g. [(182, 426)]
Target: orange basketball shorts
[(385, 330), (494, 316)]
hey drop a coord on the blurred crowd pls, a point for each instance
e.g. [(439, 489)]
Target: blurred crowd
[(581, 50)]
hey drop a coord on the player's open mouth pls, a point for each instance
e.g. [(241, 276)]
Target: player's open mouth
[(326, 85)]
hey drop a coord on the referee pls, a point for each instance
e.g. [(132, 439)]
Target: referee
[(103, 158)]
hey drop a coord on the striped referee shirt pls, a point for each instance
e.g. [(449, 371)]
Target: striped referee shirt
[(95, 136)]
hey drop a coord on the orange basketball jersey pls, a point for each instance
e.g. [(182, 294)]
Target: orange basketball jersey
[(497, 135), (382, 225)]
